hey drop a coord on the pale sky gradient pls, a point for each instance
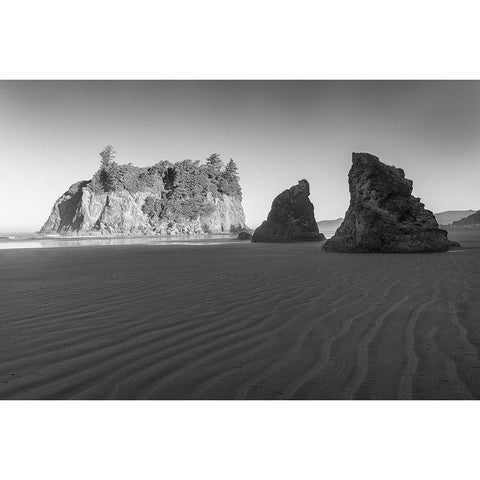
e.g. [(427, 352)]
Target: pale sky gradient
[(278, 132)]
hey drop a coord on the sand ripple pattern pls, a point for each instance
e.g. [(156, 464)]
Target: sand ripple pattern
[(237, 321)]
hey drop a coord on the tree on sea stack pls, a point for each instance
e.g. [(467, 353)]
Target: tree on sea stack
[(231, 171), (214, 164), (108, 155), (109, 172), (229, 180)]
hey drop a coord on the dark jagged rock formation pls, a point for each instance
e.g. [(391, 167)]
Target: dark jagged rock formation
[(472, 221), (181, 198), (383, 215), (291, 218), (244, 236)]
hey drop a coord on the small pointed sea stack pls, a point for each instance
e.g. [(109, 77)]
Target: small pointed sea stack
[(291, 218), (383, 215)]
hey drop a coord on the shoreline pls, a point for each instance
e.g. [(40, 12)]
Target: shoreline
[(466, 238), (19, 241)]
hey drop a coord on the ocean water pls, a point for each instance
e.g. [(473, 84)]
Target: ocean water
[(16, 240), (31, 240)]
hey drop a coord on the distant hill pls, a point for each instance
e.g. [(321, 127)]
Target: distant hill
[(447, 218), (329, 225), (472, 221)]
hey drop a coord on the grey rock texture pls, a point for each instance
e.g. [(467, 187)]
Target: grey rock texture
[(383, 215), (291, 218), (83, 211)]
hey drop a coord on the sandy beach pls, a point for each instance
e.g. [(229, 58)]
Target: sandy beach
[(239, 321)]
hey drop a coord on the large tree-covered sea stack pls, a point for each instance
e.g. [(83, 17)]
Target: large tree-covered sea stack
[(291, 218), (186, 197), (383, 215)]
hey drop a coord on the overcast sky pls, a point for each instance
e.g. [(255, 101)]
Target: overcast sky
[(278, 132)]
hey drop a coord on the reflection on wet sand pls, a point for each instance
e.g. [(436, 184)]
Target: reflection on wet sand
[(53, 242)]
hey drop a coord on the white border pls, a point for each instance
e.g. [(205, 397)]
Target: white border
[(248, 39), (239, 40), (239, 440)]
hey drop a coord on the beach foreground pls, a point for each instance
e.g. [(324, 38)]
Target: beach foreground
[(239, 321)]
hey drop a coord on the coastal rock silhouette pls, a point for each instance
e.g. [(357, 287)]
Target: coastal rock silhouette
[(291, 218), (383, 215)]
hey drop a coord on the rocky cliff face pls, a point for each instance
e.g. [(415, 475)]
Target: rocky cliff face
[(291, 218), (383, 215), (169, 199)]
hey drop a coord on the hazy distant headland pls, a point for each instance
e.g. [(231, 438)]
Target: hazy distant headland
[(447, 218), (444, 219), (186, 197), (470, 222), (329, 226)]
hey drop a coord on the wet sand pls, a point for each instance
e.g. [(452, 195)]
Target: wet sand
[(239, 321)]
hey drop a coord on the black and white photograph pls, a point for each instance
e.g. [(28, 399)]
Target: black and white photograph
[(220, 240), (239, 241), (229, 245)]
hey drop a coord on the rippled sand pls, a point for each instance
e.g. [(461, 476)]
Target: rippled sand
[(239, 321)]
